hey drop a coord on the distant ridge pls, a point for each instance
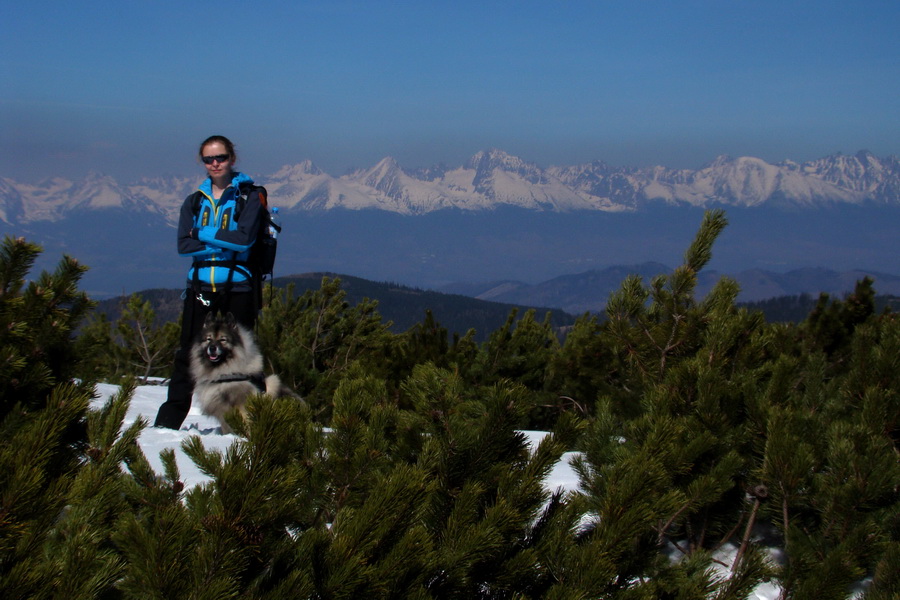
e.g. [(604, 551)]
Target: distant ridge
[(461, 307), (400, 305), (588, 291), (488, 180)]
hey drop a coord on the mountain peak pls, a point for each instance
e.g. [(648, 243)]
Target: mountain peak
[(488, 160), (720, 161), (299, 170), (385, 177), (95, 178), (388, 163)]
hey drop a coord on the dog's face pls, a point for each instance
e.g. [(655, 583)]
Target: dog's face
[(217, 346), (219, 339)]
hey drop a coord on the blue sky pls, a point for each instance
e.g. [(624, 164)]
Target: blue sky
[(130, 88)]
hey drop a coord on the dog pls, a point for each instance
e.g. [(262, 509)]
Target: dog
[(227, 368)]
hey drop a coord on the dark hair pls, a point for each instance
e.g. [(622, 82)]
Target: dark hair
[(229, 147)]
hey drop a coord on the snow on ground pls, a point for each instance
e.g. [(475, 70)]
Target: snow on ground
[(153, 440)]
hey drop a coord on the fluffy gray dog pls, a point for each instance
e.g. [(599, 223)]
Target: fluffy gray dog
[(227, 368)]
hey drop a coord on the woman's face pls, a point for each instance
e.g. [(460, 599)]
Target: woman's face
[(217, 161)]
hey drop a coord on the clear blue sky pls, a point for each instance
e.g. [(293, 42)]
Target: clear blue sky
[(129, 88)]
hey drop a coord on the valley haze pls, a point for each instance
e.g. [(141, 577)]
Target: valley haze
[(495, 218)]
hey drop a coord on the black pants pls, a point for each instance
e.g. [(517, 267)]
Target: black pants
[(181, 387)]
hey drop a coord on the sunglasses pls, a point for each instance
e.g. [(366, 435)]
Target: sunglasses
[(217, 158)]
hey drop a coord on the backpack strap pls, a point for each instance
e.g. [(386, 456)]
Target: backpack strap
[(246, 189), (196, 198)]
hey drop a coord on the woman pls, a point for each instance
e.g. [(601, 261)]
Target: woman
[(216, 228)]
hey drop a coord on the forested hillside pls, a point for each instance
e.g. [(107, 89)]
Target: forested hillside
[(698, 426), (795, 309), (401, 307)]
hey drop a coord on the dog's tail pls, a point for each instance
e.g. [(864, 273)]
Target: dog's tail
[(276, 389)]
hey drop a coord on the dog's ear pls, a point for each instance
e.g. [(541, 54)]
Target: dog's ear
[(229, 320), (210, 318)]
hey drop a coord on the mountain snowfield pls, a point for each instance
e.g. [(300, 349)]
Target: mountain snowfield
[(489, 180)]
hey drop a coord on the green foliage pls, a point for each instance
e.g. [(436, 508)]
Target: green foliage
[(61, 483), (493, 525), (442, 502), (830, 325), (427, 343), (406, 473), (519, 350), (830, 460), (97, 349), (404, 306), (36, 322), (146, 349), (709, 422), (582, 368), (135, 345), (314, 339)]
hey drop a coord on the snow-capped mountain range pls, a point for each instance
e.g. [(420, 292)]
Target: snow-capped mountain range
[(489, 180)]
